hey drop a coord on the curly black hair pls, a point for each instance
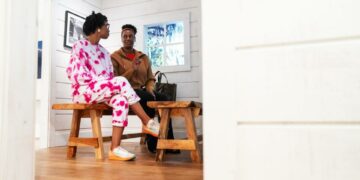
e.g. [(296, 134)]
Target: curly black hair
[(129, 26), (93, 22)]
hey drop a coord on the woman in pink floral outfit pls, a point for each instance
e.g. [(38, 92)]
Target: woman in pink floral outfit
[(91, 73)]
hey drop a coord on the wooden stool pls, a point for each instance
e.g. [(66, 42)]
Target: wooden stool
[(95, 112), (186, 109)]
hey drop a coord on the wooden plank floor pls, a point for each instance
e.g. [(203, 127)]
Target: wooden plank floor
[(51, 163)]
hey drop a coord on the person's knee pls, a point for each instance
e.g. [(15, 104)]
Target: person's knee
[(146, 96), (118, 100), (149, 97), (161, 97)]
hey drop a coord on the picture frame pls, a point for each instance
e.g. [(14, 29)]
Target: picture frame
[(73, 29)]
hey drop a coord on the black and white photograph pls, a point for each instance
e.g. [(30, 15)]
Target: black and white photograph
[(73, 28)]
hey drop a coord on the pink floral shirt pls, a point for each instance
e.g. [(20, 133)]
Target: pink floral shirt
[(88, 65)]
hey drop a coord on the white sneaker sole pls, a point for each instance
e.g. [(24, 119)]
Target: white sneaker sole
[(112, 156), (148, 131)]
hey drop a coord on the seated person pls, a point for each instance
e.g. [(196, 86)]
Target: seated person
[(92, 80), (136, 67)]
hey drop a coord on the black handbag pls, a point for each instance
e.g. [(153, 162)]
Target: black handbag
[(167, 89)]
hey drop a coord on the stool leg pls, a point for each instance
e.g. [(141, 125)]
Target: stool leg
[(74, 132), (142, 139), (191, 133), (164, 125), (95, 116)]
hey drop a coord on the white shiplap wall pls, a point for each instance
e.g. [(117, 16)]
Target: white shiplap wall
[(296, 99), (299, 73), (118, 13), (134, 12), (60, 121)]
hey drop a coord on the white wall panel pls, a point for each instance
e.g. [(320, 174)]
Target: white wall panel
[(282, 21), (60, 27), (107, 4), (95, 3), (189, 90), (62, 58), (195, 43), (61, 76), (63, 100), (189, 99), (317, 82), (149, 8), (296, 90), (195, 59), (59, 45), (183, 77), (80, 8), (194, 28), (63, 90), (322, 152)]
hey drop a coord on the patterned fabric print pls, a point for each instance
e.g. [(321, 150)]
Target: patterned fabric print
[(91, 74), (120, 111)]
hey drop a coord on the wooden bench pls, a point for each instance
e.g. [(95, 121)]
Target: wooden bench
[(95, 112), (186, 109)]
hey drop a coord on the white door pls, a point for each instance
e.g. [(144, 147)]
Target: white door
[(42, 113), (281, 89), (219, 68), (17, 88)]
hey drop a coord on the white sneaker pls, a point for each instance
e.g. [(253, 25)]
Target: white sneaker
[(121, 154), (152, 128)]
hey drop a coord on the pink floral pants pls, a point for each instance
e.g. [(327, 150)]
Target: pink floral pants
[(115, 92)]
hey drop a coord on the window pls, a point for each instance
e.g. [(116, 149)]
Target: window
[(167, 44)]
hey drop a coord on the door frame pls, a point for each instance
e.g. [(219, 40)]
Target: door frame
[(43, 102)]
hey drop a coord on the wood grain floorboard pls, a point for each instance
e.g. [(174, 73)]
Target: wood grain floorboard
[(52, 164)]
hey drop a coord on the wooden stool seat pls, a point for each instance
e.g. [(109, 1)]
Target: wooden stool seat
[(95, 112), (189, 110)]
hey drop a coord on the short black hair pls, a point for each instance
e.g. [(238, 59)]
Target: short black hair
[(93, 22), (129, 26)]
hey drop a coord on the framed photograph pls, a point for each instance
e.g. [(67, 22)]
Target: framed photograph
[(73, 29)]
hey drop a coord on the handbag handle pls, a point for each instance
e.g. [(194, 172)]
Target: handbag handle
[(160, 76)]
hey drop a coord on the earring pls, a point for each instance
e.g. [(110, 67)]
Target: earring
[(99, 30)]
